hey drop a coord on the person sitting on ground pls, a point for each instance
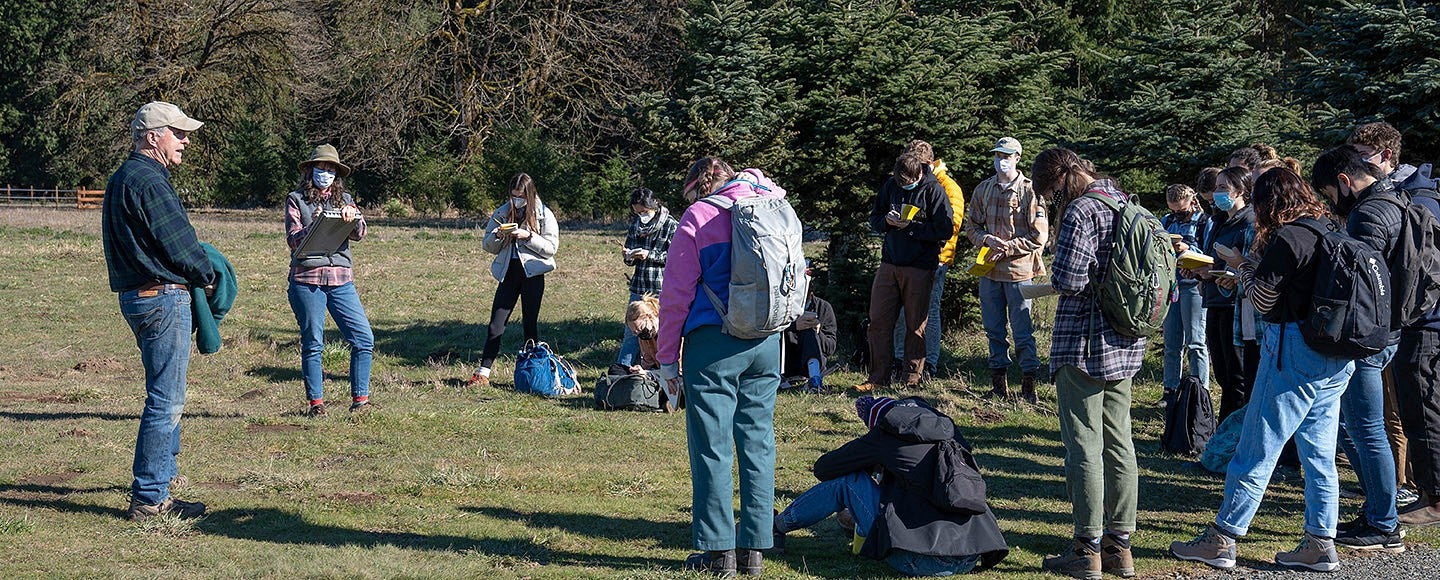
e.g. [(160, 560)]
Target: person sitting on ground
[(809, 342), (898, 515), (642, 319)]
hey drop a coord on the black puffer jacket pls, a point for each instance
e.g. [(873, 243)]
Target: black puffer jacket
[(908, 444), (1377, 222)]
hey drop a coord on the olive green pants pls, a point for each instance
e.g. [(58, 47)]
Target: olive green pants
[(1100, 470)]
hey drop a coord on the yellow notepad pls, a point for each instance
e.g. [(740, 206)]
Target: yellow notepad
[(1191, 260), (982, 265)]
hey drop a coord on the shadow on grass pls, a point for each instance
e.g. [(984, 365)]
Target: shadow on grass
[(284, 527), (671, 535), (103, 415), (586, 342), (278, 374), (6, 491)]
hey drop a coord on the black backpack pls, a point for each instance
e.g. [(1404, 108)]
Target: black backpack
[(1350, 303), (1189, 419), (1415, 265)]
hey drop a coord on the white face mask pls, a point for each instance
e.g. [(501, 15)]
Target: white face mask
[(646, 217), (517, 202), (322, 178), (1004, 166)]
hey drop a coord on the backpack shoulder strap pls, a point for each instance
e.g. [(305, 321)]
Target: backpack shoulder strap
[(721, 202), (1314, 225), (1109, 202), (1392, 199)]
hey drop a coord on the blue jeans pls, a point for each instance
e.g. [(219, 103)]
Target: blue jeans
[(730, 387), (1297, 393), (310, 303), (1185, 334), (859, 493), (1362, 408), (932, 326), (162, 332), (630, 344), (999, 301)]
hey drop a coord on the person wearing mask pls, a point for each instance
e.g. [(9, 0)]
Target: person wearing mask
[(1093, 366), (933, 331), (1297, 392), (524, 239), (1008, 217), (1365, 197), (1185, 321), (1234, 356), (321, 283), (908, 259), (646, 245)]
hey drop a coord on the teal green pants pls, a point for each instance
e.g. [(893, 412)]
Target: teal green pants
[(1100, 469), (730, 387)]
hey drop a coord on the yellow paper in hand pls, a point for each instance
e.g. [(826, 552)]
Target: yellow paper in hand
[(982, 265), (908, 212)]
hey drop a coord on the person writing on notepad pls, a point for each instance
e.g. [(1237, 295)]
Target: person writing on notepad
[(1234, 356), (1185, 323)]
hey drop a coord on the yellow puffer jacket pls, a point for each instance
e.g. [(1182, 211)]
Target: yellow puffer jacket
[(957, 204)]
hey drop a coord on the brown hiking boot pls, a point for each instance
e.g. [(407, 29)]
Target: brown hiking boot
[(1027, 388), (316, 410), (999, 387), (1081, 560), (1420, 515), (182, 509), (1115, 557), (477, 380)]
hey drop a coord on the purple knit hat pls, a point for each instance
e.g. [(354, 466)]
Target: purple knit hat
[(872, 409)]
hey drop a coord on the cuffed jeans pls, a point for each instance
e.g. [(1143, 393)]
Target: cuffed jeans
[(1000, 301), (1185, 337), (932, 324), (161, 325), (629, 343), (897, 287), (730, 387), (1362, 409), (310, 303), (1297, 393), (1417, 362), (1100, 471), (858, 493)]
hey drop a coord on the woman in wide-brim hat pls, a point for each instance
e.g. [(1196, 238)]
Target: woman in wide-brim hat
[(327, 283)]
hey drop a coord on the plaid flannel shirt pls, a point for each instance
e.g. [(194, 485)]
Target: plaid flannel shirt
[(320, 275), (1082, 337), (650, 272), (147, 235), (1016, 215)]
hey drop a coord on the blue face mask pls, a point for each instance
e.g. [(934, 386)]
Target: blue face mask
[(1223, 201), (322, 178), (911, 186)]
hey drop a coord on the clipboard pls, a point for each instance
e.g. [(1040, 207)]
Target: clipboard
[(327, 233)]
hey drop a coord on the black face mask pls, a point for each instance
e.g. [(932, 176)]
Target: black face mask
[(647, 334)]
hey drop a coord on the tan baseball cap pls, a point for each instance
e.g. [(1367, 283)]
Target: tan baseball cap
[(1007, 145), (157, 114)]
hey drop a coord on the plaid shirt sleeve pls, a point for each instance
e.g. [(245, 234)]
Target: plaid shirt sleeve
[(1074, 253), (171, 228)]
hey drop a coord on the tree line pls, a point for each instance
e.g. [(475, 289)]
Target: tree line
[(438, 102)]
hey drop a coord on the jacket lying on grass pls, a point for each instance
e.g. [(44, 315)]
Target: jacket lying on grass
[(932, 498), (208, 311)]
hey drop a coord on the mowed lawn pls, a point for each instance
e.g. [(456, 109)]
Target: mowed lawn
[(448, 481)]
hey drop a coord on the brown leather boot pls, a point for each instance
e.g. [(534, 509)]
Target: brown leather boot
[(999, 389), (1027, 388)]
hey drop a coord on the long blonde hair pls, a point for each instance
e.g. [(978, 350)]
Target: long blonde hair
[(523, 183)]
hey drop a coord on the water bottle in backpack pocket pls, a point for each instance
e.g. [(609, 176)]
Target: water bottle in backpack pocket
[(539, 371)]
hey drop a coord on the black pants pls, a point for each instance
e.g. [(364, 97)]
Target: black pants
[(1227, 361), (529, 291), (1417, 396), (801, 346)]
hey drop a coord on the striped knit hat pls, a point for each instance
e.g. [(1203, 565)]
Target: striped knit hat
[(872, 409)]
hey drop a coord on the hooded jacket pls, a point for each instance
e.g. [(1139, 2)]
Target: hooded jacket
[(918, 244), (907, 445)]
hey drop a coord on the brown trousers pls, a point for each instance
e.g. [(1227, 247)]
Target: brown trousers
[(1398, 443), (894, 287)]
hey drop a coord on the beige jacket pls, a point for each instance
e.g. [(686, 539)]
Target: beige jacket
[(1016, 215)]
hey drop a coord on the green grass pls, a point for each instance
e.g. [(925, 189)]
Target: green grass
[(444, 481)]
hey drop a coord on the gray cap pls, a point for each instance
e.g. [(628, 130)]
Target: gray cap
[(157, 114), (1007, 145)]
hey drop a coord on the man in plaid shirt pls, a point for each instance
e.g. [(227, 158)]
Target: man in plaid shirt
[(1092, 366), (154, 258)]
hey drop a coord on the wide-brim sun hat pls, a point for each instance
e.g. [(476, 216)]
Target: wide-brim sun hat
[(328, 154)]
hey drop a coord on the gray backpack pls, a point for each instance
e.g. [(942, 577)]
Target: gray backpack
[(767, 266)]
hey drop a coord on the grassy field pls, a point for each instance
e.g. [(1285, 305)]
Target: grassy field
[(445, 481)]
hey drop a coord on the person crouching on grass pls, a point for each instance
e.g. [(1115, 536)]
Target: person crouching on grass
[(524, 238), (320, 283), (1092, 365)]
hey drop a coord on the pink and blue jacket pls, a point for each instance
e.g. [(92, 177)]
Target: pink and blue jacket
[(700, 254)]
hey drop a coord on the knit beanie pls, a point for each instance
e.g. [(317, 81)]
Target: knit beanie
[(872, 409)]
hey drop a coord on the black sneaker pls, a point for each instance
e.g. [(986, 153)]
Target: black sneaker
[(749, 562), (718, 562), (1368, 537)]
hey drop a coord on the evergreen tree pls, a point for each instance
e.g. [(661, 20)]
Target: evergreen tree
[(1373, 61)]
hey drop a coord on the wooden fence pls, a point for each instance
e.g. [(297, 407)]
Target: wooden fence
[(81, 198)]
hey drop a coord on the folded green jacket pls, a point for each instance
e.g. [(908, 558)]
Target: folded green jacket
[(208, 311)]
